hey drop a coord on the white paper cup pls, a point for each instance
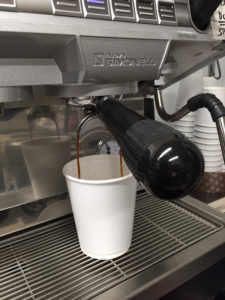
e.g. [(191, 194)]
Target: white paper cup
[(212, 153), (213, 163), (208, 147), (210, 82), (207, 141), (103, 205), (190, 117), (186, 121), (205, 135), (213, 169), (204, 117), (189, 87), (185, 124), (216, 159), (184, 129), (206, 129)]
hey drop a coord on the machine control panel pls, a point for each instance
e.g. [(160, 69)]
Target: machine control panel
[(138, 11), (122, 10), (67, 7), (146, 11), (166, 11), (96, 9)]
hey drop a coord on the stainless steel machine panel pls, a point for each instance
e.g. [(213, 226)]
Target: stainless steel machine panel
[(20, 166), (89, 51), (25, 172)]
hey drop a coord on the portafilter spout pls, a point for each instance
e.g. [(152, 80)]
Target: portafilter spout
[(162, 159)]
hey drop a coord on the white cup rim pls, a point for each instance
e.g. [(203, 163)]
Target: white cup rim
[(202, 143), (203, 140), (209, 138), (206, 131), (200, 131), (208, 149), (219, 156), (205, 125), (185, 120), (218, 88), (216, 160), (96, 182), (211, 151), (211, 170)]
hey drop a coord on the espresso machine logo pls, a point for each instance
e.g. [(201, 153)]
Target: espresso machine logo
[(121, 60)]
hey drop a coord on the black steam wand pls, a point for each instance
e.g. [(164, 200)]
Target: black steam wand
[(209, 101)]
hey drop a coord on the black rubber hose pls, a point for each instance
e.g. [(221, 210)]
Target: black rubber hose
[(202, 10), (209, 101)]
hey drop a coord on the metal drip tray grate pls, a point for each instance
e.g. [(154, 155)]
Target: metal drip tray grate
[(46, 263)]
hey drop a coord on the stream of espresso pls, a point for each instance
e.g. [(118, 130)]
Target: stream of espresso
[(78, 158), (78, 154)]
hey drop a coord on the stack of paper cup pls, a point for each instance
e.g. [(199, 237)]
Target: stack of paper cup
[(188, 88), (209, 82), (206, 136), (186, 125)]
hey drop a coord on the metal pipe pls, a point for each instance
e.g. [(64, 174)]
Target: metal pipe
[(161, 109), (84, 121), (220, 124)]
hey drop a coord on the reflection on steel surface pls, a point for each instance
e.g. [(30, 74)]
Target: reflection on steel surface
[(16, 182)]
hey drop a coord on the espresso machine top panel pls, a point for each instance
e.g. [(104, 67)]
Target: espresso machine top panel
[(59, 43)]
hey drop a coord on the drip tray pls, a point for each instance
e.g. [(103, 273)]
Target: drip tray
[(47, 263)]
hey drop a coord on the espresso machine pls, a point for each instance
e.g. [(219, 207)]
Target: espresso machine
[(57, 58)]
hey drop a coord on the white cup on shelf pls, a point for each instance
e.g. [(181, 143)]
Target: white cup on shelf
[(213, 169), (205, 135), (208, 147), (183, 129), (211, 153), (215, 142), (209, 82), (189, 87), (206, 129)]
